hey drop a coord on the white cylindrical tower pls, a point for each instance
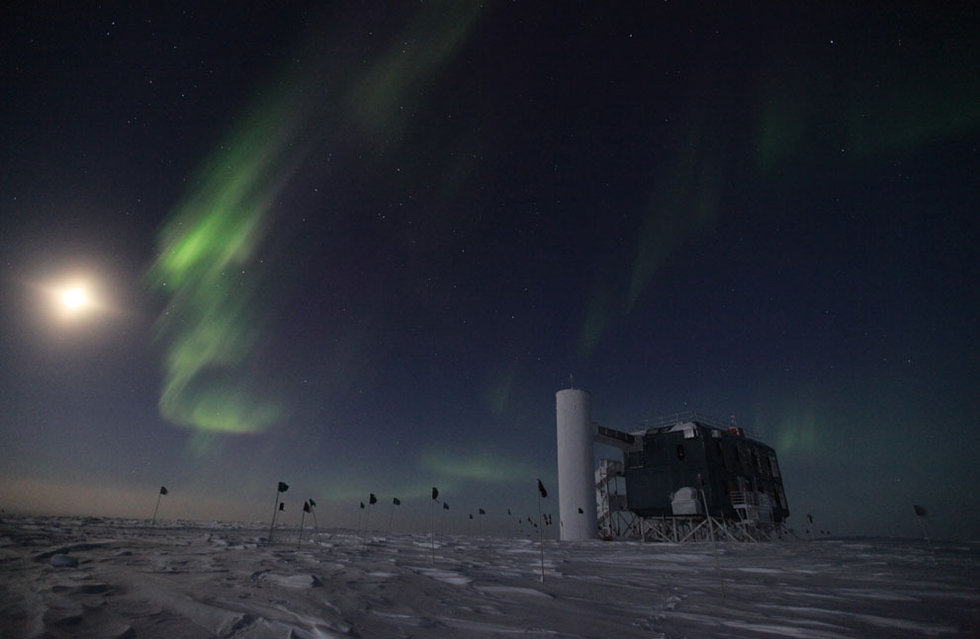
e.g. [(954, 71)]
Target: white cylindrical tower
[(576, 475)]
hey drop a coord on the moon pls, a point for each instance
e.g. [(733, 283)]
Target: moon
[(75, 298)]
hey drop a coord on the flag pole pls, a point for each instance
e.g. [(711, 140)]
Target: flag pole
[(714, 540), (155, 509), (920, 515), (432, 525), (391, 518), (541, 536), (281, 488), (922, 525), (153, 523), (302, 519), (372, 500), (275, 510), (542, 493), (316, 527)]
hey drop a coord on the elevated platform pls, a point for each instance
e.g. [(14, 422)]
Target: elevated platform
[(754, 522), (681, 529)]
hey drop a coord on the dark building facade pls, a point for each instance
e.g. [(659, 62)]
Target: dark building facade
[(686, 467)]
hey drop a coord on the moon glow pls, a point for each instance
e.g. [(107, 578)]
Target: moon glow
[(74, 298)]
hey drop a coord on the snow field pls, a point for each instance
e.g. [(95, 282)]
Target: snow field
[(92, 577)]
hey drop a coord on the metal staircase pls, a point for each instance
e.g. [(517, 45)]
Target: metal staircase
[(615, 520)]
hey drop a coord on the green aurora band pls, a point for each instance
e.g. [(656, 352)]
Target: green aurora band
[(207, 255), (208, 265)]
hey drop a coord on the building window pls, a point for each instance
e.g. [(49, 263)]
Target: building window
[(774, 465), (635, 459), (766, 468), (680, 451)]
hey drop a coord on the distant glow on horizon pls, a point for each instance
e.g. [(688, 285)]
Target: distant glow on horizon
[(487, 466)]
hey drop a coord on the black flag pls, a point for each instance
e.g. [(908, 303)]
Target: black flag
[(544, 493), (471, 515), (435, 493), (919, 511), (396, 501), (581, 512), (445, 505), (306, 506), (809, 518), (282, 505), (482, 512), (283, 486), (312, 504), (508, 513), (362, 505), (163, 490), (372, 499)]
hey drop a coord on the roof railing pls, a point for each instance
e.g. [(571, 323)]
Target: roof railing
[(666, 421)]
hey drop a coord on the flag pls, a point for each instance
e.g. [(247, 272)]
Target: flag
[(163, 490), (372, 499), (306, 506), (435, 493), (919, 511), (809, 518), (482, 512), (508, 513), (282, 505), (283, 486), (581, 512), (471, 515), (362, 505), (544, 493), (312, 504), (445, 505), (396, 501)]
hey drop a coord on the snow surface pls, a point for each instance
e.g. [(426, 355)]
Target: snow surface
[(96, 577)]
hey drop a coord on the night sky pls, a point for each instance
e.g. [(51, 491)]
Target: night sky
[(358, 248)]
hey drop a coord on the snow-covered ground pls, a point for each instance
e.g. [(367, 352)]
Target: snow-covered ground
[(94, 577)]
